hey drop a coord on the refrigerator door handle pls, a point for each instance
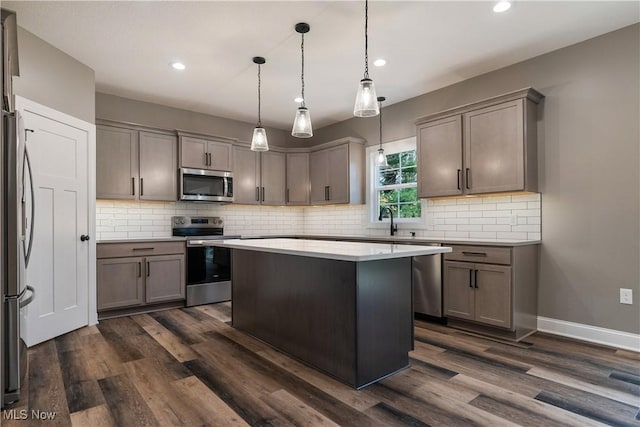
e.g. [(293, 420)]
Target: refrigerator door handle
[(27, 163), (29, 299)]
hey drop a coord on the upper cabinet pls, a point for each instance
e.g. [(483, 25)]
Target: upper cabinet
[(135, 165), (259, 178), (486, 147), (337, 173), (198, 153), (297, 191)]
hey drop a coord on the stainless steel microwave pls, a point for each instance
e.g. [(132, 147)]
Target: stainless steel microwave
[(206, 186)]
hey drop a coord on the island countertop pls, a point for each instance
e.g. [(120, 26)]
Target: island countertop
[(344, 251)]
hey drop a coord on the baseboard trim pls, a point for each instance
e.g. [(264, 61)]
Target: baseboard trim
[(595, 334)]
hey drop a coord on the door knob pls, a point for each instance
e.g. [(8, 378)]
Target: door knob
[(84, 237)]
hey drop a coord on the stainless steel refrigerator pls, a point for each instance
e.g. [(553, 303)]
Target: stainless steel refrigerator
[(16, 217)]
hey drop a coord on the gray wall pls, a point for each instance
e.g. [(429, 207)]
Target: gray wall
[(50, 77), (111, 107), (589, 142)]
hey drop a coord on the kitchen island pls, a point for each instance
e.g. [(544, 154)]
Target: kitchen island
[(344, 308)]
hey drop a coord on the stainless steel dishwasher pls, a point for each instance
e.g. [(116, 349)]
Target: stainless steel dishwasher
[(427, 283)]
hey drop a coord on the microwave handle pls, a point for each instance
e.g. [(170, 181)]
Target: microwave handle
[(226, 186)]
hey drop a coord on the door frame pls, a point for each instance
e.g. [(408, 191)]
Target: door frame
[(24, 104)]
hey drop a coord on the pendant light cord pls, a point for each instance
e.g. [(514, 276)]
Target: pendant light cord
[(302, 74), (366, 39), (380, 105), (259, 100)]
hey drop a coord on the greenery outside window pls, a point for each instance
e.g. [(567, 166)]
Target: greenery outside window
[(396, 186)]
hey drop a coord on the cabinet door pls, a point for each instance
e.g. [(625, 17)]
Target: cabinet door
[(120, 282), (116, 163), (318, 167), (165, 278), (246, 177), (297, 179), (158, 167), (493, 295), (494, 148), (273, 178), (193, 153), (439, 150), (220, 156), (339, 184), (459, 295)]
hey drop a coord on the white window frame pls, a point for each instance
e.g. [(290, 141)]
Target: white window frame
[(392, 147)]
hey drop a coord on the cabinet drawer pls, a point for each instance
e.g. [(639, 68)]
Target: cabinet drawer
[(121, 250), (481, 254)]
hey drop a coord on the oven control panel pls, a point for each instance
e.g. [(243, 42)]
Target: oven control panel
[(197, 222)]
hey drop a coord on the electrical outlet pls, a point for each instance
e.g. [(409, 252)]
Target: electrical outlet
[(626, 296)]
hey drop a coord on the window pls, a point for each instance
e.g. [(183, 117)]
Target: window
[(396, 186)]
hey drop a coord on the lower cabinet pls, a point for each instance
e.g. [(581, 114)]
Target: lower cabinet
[(478, 292), (130, 282), (492, 289)]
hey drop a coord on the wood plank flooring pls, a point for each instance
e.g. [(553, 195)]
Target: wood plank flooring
[(188, 367)]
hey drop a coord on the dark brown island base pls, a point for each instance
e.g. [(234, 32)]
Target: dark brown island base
[(344, 308)]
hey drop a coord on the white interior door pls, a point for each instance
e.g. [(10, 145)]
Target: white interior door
[(59, 266)]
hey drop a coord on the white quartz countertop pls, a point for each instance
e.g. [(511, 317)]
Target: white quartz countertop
[(344, 251)]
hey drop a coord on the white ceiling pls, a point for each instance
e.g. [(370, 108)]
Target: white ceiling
[(427, 45)]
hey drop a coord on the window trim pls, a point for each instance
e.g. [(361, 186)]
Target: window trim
[(391, 147)]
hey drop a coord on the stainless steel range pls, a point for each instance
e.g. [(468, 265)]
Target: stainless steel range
[(208, 267)]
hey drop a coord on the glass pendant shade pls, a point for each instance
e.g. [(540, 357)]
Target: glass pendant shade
[(302, 124), (366, 100), (259, 141), (381, 160)]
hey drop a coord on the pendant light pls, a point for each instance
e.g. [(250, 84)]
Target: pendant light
[(381, 160), (366, 99), (259, 141), (302, 121)]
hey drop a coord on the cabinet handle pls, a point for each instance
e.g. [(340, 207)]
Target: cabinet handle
[(257, 194), (133, 186), (328, 192), (471, 278), (263, 194), (139, 268), (206, 159), (475, 279), (143, 249), (286, 196), (141, 186), (148, 269), (210, 161), (474, 253), (467, 178), (459, 179)]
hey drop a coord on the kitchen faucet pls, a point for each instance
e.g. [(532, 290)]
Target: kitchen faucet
[(394, 227)]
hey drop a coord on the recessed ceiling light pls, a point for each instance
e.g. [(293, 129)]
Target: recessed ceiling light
[(178, 66), (379, 62), (298, 100), (502, 6)]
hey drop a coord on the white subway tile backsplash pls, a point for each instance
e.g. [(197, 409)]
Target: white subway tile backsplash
[(482, 217)]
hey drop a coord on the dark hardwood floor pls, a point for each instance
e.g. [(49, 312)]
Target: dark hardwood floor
[(189, 367)]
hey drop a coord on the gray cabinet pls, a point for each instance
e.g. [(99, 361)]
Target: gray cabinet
[(199, 153), (337, 174), (485, 147), (133, 277), (259, 178), (120, 283), (298, 190), (135, 165), (439, 151), (158, 166), (165, 278), (116, 163), (492, 289)]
